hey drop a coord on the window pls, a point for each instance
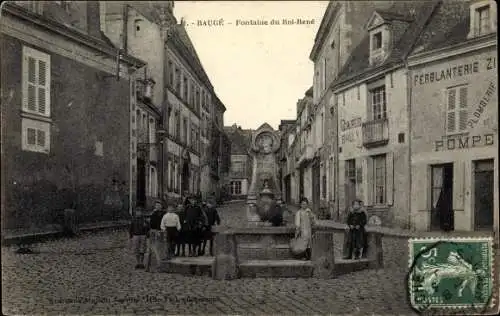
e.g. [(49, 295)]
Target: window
[(36, 82), (350, 170), (185, 130), (457, 112), (137, 27), (153, 182), (170, 176), (379, 174), (197, 100), (177, 80), (377, 41), (152, 131), (378, 103), (185, 88), (483, 20), (177, 125), (237, 166), (401, 138), (191, 95), (235, 187), (170, 74), (324, 186), (35, 135)]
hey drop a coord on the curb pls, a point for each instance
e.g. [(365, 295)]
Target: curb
[(25, 239)]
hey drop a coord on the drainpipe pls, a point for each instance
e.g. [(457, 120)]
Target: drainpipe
[(408, 101), (125, 28)]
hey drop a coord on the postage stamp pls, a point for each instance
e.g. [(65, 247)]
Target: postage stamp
[(453, 273)]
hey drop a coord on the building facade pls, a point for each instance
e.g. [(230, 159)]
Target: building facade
[(341, 30), (285, 170), (372, 106), (454, 120), (68, 101), (140, 29), (182, 93), (239, 176)]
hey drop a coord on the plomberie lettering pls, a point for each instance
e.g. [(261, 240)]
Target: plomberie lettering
[(251, 22), (445, 74)]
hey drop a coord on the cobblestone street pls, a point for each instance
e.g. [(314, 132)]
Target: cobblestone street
[(94, 275)]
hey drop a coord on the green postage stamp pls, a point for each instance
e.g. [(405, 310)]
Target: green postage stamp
[(451, 272)]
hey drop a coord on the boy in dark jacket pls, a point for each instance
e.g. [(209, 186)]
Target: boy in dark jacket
[(157, 215), (138, 232), (181, 236), (212, 219), (356, 221)]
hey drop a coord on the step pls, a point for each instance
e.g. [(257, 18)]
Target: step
[(345, 266), (255, 251), (276, 269), (200, 266)]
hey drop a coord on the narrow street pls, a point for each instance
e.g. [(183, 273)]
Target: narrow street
[(94, 275)]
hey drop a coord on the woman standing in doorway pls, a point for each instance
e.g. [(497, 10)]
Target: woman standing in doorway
[(304, 220)]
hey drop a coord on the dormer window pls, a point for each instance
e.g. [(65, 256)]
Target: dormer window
[(377, 41), (482, 18)]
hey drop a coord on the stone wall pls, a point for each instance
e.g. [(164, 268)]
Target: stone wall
[(88, 108)]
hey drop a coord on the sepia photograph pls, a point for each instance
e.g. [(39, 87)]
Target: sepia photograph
[(249, 157)]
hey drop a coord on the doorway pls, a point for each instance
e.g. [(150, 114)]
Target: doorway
[(141, 183), (185, 178), (442, 215), (483, 195)]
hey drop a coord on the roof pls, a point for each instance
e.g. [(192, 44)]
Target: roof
[(394, 16), (183, 43), (57, 25), (309, 92), (404, 36), (239, 138), (324, 27), (448, 26)]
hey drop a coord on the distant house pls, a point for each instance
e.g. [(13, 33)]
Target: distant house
[(238, 179), (66, 115)]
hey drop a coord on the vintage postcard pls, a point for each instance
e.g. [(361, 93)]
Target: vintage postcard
[(249, 157)]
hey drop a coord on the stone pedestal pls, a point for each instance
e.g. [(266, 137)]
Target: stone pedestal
[(158, 249), (225, 266), (375, 250), (323, 257)]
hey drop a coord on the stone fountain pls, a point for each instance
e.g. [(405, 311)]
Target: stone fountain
[(264, 196), (262, 247)]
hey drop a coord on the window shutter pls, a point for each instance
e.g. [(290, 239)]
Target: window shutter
[(451, 117), (458, 185), (40, 137), (31, 136), (390, 178), (463, 111), (420, 187), (369, 181)]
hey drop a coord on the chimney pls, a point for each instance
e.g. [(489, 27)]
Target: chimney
[(94, 19)]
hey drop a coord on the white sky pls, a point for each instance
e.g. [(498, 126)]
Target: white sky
[(259, 72)]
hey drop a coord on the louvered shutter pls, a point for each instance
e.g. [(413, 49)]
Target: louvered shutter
[(31, 136), (463, 111), (40, 138), (458, 185), (36, 81), (390, 178), (451, 115)]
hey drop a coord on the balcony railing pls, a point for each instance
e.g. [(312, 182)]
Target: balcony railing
[(375, 133)]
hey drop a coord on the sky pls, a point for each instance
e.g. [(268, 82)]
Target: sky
[(258, 71)]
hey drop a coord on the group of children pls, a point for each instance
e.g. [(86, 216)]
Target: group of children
[(190, 223)]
